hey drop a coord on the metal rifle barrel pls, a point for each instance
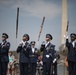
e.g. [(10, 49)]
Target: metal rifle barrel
[(17, 21)]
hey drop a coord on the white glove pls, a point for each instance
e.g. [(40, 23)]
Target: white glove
[(22, 43), (47, 56), (54, 60), (66, 37)]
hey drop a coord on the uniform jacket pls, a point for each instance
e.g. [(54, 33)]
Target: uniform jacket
[(24, 53), (48, 50), (4, 51), (71, 51), (33, 56)]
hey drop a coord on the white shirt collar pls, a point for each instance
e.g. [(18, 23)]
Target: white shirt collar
[(33, 49), (73, 43), (3, 42), (46, 44)]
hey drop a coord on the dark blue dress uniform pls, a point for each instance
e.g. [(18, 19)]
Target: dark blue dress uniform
[(47, 58), (4, 49), (33, 54), (24, 58), (33, 61), (48, 52), (71, 55)]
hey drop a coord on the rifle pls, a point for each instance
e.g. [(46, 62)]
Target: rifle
[(41, 28), (17, 22)]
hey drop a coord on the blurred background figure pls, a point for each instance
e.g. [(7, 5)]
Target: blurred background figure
[(66, 63), (11, 63), (56, 56), (39, 69)]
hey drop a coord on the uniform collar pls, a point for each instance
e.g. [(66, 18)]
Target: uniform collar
[(47, 44), (4, 42), (73, 43), (23, 41)]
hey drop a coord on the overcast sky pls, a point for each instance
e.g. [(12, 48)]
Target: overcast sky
[(30, 19)]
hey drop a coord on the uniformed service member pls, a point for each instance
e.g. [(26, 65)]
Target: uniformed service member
[(33, 54), (23, 49), (71, 54), (4, 49), (47, 49)]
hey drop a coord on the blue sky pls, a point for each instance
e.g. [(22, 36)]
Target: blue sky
[(30, 19)]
